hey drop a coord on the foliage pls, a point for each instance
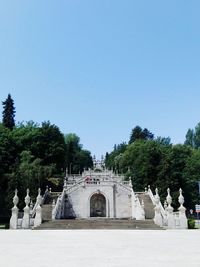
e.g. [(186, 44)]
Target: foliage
[(76, 158), (8, 112), (31, 155), (140, 134), (112, 159), (191, 224), (193, 137), (160, 164)]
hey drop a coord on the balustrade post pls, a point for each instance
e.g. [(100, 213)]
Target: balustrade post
[(26, 217), (182, 209), (170, 209), (53, 210), (38, 216), (157, 218), (15, 210)]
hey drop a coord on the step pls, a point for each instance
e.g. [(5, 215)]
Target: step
[(47, 212), (148, 205), (99, 224)]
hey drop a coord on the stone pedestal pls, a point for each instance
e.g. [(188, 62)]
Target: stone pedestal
[(170, 217), (182, 209), (14, 218), (158, 217), (38, 216), (26, 218)]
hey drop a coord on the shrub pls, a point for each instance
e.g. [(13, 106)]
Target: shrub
[(191, 224)]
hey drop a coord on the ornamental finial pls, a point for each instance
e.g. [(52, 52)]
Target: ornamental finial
[(15, 198)]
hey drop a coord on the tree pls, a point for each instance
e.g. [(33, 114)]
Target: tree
[(7, 161), (191, 176), (189, 138), (141, 161), (31, 174), (140, 134), (193, 137), (76, 157), (112, 159), (51, 146), (8, 112)]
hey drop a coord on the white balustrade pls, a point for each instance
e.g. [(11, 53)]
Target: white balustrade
[(38, 215), (158, 217), (26, 217), (15, 210)]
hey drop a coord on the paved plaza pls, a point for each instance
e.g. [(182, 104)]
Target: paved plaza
[(100, 248)]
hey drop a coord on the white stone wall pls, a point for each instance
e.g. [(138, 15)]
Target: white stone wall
[(118, 200), (123, 203)]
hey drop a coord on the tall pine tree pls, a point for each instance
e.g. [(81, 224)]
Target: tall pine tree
[(8, 112)]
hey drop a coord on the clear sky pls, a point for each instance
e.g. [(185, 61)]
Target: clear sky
[(98, 68)]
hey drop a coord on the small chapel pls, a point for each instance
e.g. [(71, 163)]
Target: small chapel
[(98, 198)]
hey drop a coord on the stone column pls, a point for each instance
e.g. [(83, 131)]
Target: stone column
[(26, 217), (170, 209), (165, 215), (38, 216), (15, 210), (158, 217), (139, 209), (182, 209), (53, 210)]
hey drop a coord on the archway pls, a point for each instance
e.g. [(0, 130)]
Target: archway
[(97, 205)]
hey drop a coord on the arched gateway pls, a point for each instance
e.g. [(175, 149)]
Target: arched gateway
[(97, 205)]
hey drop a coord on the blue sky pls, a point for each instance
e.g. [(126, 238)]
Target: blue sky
[(99, 68)]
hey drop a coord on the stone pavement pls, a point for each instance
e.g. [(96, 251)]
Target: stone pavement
[(99, 248)]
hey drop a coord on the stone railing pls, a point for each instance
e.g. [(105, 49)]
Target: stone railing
[(165, 216), (27, 221), (56, 208)]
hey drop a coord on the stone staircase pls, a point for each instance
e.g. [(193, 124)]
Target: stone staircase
[(99, 223), (46, 212), (148, 205)]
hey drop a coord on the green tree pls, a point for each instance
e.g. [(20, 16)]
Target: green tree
[(8, 112), (76, 157), (140, 134), (112, 159), (141, 160), (29, 174), (193, 137), (191, 177), (7, 161)]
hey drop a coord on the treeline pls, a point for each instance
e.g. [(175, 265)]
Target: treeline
[(159, 163), (33, 155)]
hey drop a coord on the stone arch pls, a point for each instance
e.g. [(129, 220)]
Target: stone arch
[(98, 205)]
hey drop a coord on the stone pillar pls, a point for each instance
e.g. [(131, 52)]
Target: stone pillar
[(165, 215), (182, 209), (38, 215), (26, 217), (158, 217), (139, 209), (53, 210), (14, 217), (142, 211), (133, 204), (170, 209)]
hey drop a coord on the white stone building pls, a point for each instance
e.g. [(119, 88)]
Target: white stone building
[(96, 193)]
